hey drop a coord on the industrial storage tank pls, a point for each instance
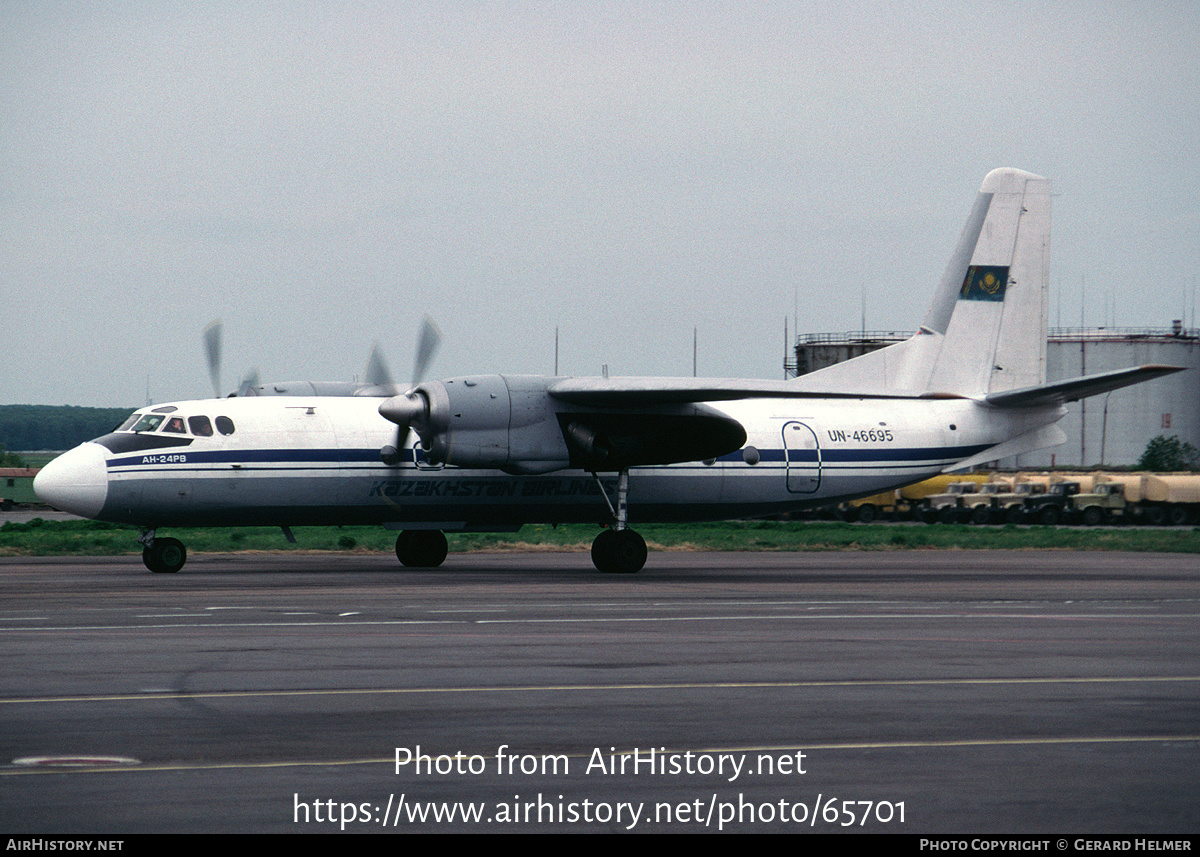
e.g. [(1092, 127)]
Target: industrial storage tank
[(1107, 430)]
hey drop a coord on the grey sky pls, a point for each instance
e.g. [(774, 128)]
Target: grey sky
[(321, 176)]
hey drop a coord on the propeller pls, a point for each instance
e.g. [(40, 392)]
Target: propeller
[(427, 346), (250, 383), (377, 374), (411, 407), (213, 335), (212, 350)]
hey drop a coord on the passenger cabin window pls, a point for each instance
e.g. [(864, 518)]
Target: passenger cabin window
[(225, 425), (200, 426)]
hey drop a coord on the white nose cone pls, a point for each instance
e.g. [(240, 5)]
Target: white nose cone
[(76, 481)]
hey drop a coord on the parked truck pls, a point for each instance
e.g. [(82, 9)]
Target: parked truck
[(981, 506), (1009, 508), (1053, 507), (1104, 503), (948, 507), (1158, 499)]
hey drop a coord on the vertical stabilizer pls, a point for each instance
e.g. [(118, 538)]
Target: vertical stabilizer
[(986, 329)]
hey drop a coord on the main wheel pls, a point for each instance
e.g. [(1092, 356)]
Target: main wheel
[(619, 552), (165, 556), (421, 548)]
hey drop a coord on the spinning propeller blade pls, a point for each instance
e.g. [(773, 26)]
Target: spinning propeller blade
[(409, 407), (212, 350), (427, 346)]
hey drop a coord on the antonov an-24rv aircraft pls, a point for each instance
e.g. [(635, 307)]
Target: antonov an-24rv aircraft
[(493, 452)]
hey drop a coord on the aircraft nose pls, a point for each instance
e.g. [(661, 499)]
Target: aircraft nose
[(76, 481)]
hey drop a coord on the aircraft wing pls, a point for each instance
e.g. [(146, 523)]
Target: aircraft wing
[(628, 392), (1058, 392)]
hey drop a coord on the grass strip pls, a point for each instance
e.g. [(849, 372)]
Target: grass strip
[(40, 537)]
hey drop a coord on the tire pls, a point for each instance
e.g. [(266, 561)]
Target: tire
[(981, 515), (867, 513), (619, 552), (1048, 516), (1155, 516), (1092, 516), (1177, 515), (165, 556), (421, 548)]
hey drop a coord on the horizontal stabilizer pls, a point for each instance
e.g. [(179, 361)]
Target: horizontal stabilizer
[(1058, 392)]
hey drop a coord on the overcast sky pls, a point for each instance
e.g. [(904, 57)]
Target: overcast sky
[(322, 175)]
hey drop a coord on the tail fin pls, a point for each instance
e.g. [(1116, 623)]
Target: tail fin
[(986, 330)]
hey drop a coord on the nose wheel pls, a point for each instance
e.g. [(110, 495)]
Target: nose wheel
[(164, 556)]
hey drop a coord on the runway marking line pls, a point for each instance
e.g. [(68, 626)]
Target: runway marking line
[(385, 691), (566, 620), (778, 748)]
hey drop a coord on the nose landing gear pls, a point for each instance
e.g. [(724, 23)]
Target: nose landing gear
[(162, 556)]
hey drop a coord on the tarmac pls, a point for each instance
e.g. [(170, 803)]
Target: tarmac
[(998, 692)]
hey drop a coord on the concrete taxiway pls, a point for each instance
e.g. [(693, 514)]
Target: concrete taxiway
[(920, 691)]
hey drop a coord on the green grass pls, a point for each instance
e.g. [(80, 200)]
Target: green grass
[(40, 537)]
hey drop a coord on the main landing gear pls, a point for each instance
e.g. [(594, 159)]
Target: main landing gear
[(421, 548), (619, 550), (162, 556)]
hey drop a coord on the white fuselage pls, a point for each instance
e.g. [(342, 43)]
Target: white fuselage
[(291, 461)]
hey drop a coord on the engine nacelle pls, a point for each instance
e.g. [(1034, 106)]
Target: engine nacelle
[(513, 423), (492, 421)]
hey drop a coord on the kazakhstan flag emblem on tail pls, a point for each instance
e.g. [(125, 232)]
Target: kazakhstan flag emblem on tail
[(984, 283)]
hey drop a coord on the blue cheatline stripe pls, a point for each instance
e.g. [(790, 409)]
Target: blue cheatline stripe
[(827, 455), (370, 457), (282, 456), (929, 453)]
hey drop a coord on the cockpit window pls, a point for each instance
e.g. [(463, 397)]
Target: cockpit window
[(149, 422), (133, 418), (175, 425), (225, 425), (200, 426)]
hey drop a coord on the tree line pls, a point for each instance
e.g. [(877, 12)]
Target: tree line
[(55, 427)]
